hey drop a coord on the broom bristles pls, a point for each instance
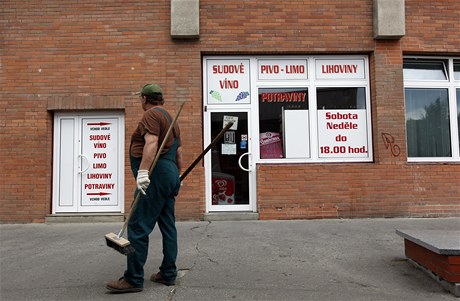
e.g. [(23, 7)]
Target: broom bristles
[(119, 244)]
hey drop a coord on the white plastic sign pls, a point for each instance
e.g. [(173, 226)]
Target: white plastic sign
[(228, 81), (340, 69), (342, 134), (282, 69), (99, 176)]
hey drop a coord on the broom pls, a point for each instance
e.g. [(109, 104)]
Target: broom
[(203, 153), (116, 241), (122, 245)]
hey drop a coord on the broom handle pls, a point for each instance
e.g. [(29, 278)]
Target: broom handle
[(203, 153), (152, 166)]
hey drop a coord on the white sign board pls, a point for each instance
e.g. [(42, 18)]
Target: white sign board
[(100, 147), (282, 69), (342, 134), (228, 81), (340, 69)]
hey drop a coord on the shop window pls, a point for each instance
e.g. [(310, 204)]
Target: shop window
[(432, 133), (341, 98), (307, 108), (283, 123), (457, 70), (427, 123), (425, 70), (342, 122), (458, 117)]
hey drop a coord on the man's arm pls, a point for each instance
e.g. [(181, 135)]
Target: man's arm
[(149, 152), (179, 158)]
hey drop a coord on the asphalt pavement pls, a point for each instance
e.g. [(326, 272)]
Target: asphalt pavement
[(341, 259)]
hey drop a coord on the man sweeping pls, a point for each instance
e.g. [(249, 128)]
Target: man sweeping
[(158, 192)]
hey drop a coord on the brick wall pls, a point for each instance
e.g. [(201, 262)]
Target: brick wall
[(432, 27), (286, 26), (86, 51), (357, 191)]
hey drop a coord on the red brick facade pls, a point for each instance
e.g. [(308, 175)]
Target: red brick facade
[(86, 55), (444, 266)]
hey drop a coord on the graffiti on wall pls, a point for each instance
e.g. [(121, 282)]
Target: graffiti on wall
[(390, 144)]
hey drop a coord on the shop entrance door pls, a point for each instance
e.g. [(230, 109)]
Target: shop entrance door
[(88, 169), (230, 174)]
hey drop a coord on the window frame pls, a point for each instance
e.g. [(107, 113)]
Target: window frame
[(456, 61), (445, 69), (451, 84), (358, 79), (311, 84)]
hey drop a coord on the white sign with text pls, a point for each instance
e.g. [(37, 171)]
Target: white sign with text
[(340, 69), (282, 69), (342, 134), (100, 147), (228, 81)]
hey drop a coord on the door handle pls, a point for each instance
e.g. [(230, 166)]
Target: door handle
[(241, 166), (83, 156)]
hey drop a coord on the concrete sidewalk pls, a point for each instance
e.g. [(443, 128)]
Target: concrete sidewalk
[(240, 260)]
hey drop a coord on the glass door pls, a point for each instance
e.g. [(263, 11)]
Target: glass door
[(229, 171)]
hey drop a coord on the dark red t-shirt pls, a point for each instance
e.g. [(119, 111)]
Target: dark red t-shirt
[(156, 123)]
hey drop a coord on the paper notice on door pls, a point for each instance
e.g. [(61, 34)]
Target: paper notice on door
[(228, 149), (233, 119)]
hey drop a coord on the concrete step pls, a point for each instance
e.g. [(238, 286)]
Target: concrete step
[(231, 216), (84, 218)]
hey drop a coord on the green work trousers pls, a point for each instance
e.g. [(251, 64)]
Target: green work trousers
[(157, 206)]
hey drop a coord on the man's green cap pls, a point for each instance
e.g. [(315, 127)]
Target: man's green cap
[(150, 89)]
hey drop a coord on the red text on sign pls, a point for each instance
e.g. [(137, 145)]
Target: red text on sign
[(100, 145), (228, 84), (99, 186), (330, 115), (283, 97), (226, 69), (99, 176), (270, 69), (342, 126), (275, 69), (339, 68), (99, 137)]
